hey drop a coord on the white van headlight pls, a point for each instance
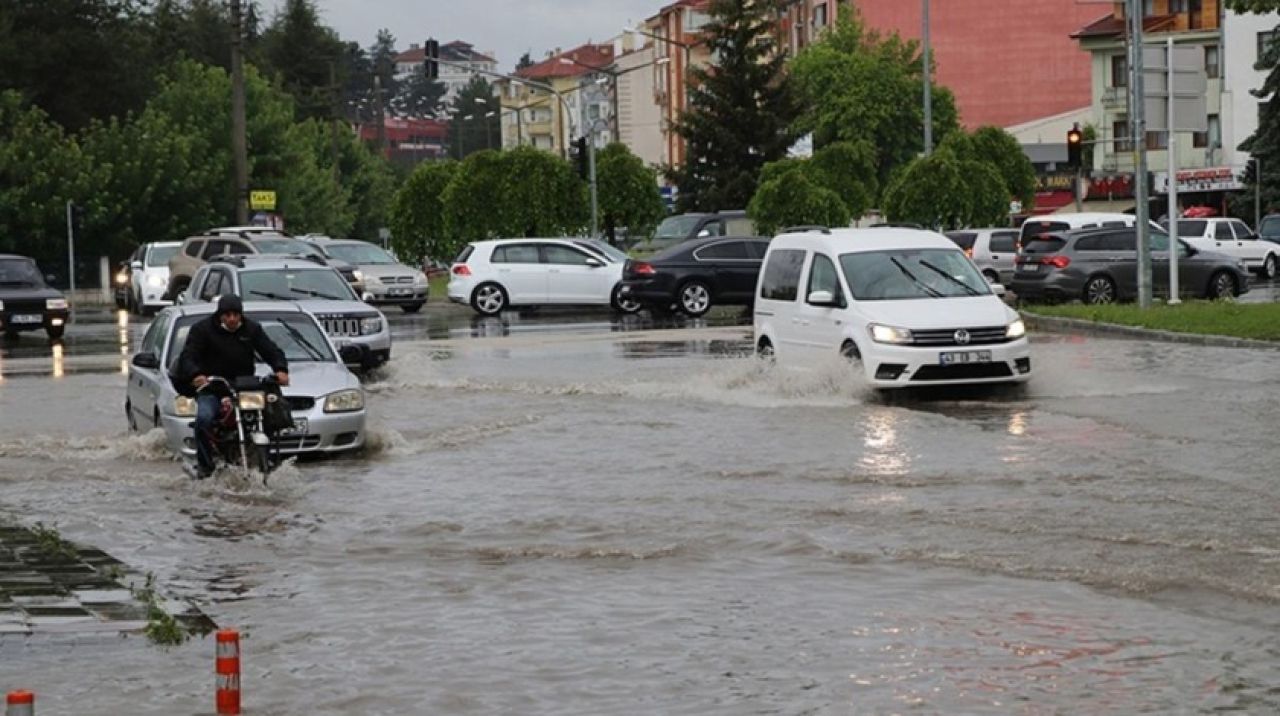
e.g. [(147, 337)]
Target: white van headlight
[(344, 401), (156, 281), (1017, 329), (889, 334)]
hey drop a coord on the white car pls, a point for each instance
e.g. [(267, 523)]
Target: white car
[(149, 276), (326, 400), (905, 304), (1233, 238), (491, 276), (993, 251)]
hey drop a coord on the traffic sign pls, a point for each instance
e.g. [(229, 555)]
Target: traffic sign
[(264, 200)]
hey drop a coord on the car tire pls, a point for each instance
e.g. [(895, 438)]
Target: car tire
[(1222, 285), (694, 299), (489, 299), (621, 305), (1099, 290), (1269, 267), (411, 307), (55, 332), (765, 351), (991, 276)]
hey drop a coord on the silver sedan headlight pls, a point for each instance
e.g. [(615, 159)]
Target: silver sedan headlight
[(1017, 329), (369, 326), (344, 401), (889, 334)]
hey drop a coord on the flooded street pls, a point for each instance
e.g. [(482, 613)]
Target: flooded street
[(565, 514)]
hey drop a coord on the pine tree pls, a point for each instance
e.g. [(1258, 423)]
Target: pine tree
[(1264, 144), (740, 111)]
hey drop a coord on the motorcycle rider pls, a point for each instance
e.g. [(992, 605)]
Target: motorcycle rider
[(222, 345)]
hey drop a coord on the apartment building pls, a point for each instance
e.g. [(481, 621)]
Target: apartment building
[(563, 97), (453, 77)]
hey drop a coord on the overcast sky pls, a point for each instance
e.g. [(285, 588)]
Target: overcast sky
[(508, 28)]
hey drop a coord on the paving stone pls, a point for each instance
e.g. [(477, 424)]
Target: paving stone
[(45, 600), (102, 596)]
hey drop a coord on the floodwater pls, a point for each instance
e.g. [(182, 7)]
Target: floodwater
[(590, 517)]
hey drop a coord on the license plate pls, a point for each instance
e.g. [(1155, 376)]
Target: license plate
[(26, 318), (299, 429), (401, 291), (1029, 268), (962, 357)]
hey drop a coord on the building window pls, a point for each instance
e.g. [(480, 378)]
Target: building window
[(1157, 140), (820, 15), (1120, 134), (1210, 138), (694, 20), (1212, 62), (1264, 43), (1119, 71)]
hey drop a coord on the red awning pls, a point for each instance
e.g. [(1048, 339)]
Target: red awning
[(1048, 202)]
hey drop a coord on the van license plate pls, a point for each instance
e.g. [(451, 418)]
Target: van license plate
[(961, 357)]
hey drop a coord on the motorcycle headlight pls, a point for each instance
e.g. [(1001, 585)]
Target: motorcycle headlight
[(122, 278), (370, 326), (344, 401), (253, 400), (1017, 329), (56, 304), (155, 281), (184, 407), (889, 334)]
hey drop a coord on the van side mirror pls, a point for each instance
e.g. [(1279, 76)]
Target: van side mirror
[(998, 289), (146, 360), (366, 297), (822, 298), (594, 262), (135, 265)]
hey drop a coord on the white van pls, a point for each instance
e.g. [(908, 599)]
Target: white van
[(1048, 223), (908, 305)]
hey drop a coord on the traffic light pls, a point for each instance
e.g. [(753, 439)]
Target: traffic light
[(580, 157), (1075, 146), (432, 59)]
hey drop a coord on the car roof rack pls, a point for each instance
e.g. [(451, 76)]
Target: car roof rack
[(806, 228), (232, 259)]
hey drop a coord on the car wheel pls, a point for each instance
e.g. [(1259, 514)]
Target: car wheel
[(1222, 285), (1098, 290), (694, 299), (991, 276), (55, 332), (764, 350), (849, 351), (623, 305), (411, 307), (1269, 267), (489, 299)]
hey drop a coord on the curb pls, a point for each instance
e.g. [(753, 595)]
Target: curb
[(1080, 325)]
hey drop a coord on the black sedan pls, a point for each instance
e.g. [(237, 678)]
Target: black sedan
[(695, 275), (26, 303)]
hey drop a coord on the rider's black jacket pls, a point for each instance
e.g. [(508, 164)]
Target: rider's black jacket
[(213, 350)]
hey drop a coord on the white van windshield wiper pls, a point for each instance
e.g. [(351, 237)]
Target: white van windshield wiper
[(927, 288), (972, 291)]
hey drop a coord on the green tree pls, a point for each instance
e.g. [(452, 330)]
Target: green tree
[(999, 148), (943, 191), (421, 94), (371, 184), (382, 61), (470, 129), (298, 50), (472, 200), (858, 86), (627, 193), (418, 225), (793, 199), (740, 111), (1263, 145), (541, 195), (848, 169)]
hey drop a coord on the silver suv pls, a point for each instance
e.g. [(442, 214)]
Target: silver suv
[(244, 241), (318, 289), (387, 282)]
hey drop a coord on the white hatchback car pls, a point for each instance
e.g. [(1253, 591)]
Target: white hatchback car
[(1233, 238), (908, 305), (491, 276), (149, 276)]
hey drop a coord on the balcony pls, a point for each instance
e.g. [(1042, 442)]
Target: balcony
[(1115, 97)]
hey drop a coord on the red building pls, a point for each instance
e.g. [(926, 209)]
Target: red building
[(1007, 61), (409, 140)]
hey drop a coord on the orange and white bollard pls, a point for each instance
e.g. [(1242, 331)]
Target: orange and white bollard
[(20, 703), (227, 672)]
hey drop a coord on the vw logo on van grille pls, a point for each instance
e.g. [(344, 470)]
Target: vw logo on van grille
[(962, 337)]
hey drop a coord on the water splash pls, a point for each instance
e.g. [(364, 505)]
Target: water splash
[(148, 446)]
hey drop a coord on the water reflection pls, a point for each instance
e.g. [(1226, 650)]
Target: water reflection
[(57, 360), (1018, 420), (882, 452), (122, 322)]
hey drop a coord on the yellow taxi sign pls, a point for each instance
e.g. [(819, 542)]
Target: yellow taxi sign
[(263, 200)]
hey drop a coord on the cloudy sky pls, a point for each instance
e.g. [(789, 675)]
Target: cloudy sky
[(508, 28)]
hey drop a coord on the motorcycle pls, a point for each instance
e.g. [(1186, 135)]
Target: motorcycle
[(251, 414)]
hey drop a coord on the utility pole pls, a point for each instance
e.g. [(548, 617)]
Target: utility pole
[(928, 88), (333, 123), (1173, 177), (71, 258), (591, 172), (239, 143), (1135, 8), (378, 114)]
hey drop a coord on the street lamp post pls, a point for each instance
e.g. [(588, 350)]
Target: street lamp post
[(564, 147), (613, 75), (1257, 193), (928, 88)]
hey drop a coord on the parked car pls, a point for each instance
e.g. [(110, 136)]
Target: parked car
[(1101, 266), (386, 281), (492, 276), (907, 306), (27, 303), (317, 288), (1049, 223), (1269, 228), (148, 276), (196, 250), (1233, 238), (685, 227), (326, 400), (992, 251), (695, 275)]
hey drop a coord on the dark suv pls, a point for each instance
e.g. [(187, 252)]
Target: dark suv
[(1101, 266)]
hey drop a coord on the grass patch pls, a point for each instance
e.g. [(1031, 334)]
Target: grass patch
[(1258, 321), (51, 543), (438, 288), (162, 627)]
